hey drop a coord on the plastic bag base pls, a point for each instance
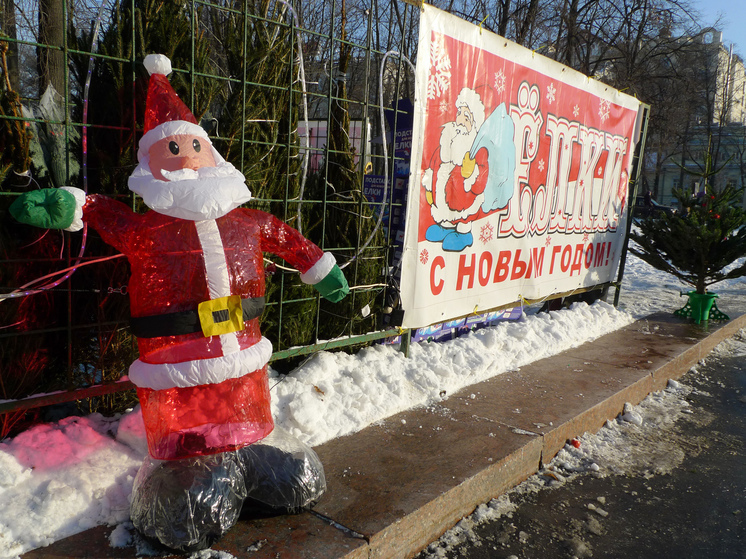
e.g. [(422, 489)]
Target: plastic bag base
[(187, 505)]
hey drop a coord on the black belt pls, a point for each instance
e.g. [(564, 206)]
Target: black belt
[(188, 322)]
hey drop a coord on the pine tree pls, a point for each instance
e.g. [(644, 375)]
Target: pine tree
[(698, 244)]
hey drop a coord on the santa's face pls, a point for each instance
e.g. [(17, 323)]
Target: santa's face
[(183, 176), (465, 118), (181, 151), (455, 141)]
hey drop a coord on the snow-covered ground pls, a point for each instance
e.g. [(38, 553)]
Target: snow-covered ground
[(62, 478)]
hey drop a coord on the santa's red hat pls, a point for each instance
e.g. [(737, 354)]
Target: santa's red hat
[(165, 114)]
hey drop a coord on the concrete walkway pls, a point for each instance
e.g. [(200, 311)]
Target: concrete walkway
[(396, 486)]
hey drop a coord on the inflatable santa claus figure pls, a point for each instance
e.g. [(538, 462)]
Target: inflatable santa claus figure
[(196, 292)]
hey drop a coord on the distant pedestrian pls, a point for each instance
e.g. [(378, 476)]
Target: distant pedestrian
[(700, 196)]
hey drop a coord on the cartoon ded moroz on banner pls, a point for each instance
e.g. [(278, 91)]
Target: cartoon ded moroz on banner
[(471, 174)]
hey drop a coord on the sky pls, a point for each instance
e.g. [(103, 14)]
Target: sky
[(733, 20), (58, 479)]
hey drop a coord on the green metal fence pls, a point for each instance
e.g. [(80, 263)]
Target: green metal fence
[(292, 95)]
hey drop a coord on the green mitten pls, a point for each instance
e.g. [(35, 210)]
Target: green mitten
[(50, 208), (334, 285)]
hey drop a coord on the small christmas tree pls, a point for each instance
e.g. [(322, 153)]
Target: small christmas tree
[(697, 244)]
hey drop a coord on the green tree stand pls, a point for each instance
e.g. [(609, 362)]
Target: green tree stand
[(701, 307)]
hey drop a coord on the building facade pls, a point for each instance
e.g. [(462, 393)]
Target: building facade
[(710, 146)]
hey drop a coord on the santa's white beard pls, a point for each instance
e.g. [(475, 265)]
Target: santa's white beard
[(455, 142), (207, 193)]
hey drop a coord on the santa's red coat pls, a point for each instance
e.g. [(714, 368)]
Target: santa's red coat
[(175, 265), (453, 190)]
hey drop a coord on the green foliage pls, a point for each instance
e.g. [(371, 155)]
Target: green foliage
[(257, 132), (27, 365), (339, 216), (14, 135), (53, 163), (106, 359), (256, 117), (118, 90), (699, 243)]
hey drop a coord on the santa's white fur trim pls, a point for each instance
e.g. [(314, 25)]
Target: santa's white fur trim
[(215, 192), (319, 271), (170, 128), (160, 376), (471, 99), (157, 64), (79, 195)]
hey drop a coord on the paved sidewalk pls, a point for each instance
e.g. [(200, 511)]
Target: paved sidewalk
[(396, 486)]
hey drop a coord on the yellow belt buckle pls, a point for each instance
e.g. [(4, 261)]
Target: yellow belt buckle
[(221, 316)]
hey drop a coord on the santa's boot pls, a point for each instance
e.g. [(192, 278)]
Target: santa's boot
[(283, 475), (459, 239), (188, 504), (456, 242), (436, 233)]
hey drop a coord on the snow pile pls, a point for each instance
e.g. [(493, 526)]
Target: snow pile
[(464, 530), (335, 394), (632, 444), (59, 479)]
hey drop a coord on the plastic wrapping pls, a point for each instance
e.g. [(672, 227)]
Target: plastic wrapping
[(286, 473), (188, 504)]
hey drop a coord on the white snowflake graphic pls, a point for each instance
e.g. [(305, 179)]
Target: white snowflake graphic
[(500, 81), (604, 108), (551, 93), (575, 111), (485, 233), (439, 79), (541, 165), (443, 107)]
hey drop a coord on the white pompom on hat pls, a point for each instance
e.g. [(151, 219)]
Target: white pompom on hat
[(157, 64)]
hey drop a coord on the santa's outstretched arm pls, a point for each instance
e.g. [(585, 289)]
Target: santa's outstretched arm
[(317, 268)]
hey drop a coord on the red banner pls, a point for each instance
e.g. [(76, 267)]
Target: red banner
[(520, 169)]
